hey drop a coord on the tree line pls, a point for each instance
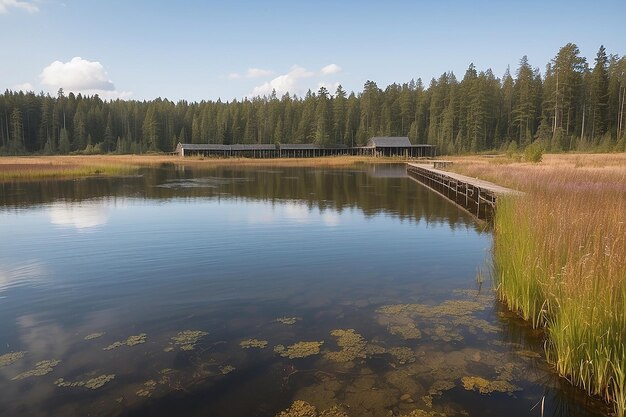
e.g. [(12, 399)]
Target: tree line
[(573, 105)]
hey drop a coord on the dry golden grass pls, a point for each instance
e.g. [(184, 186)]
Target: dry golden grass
[(12, 168), (524, 176), (560, 257)]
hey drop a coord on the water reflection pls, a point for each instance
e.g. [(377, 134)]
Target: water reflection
[(372, 190), (233, 292), (80, 216)]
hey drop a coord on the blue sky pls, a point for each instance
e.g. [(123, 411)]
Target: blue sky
[(208, 50)]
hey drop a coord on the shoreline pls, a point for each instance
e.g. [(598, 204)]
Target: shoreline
[(23, 168)]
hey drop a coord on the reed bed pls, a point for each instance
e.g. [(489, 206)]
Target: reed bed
[(560, 262)]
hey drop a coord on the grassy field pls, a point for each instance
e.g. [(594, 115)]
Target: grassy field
[(38, 167), (560, 260)]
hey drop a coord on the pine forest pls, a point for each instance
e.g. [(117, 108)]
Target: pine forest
[(574, 104)]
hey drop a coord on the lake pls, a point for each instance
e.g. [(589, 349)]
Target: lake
[(235, 291)]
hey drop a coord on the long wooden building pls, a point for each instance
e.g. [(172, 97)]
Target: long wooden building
[(377, 146)]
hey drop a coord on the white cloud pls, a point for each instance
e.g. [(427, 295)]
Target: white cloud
[(24, 87), (284, 83), (27, 6), (81, 76), (251, 73), (331, 69), (77, 75), (258, 73)]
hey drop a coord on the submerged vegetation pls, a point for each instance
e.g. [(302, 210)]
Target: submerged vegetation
[(11, 357), (185, 340), (299, 350), (560, 258), (130, 341), (40, 369)]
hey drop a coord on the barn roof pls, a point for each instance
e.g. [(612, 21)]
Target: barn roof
[(389, 142), (253, 147), (203, 147), (289, 146)]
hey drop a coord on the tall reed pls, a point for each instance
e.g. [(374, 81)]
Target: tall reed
[(560, 257)]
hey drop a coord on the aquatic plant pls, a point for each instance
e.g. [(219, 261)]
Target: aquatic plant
[(186, 340), (226, 369), (92, 383), (11, 357), (130, 341), (301, 408), (253, 343), (299, 350), (288, 320), (147, 389), (99, 381), (560, 263), (485, 386), (41, 368), (351, 344)]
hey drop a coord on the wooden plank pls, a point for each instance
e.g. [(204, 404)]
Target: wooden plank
[(485, 185)]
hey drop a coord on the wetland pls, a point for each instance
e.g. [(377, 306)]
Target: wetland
[(258, 291)]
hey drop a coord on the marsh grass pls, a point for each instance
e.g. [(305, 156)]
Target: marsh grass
[(39, 167), (560, 257), (39, 172)]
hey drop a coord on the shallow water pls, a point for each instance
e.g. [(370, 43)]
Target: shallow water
[(187, 292)]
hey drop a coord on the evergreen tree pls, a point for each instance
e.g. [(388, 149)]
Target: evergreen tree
[(599, 95), (16, 141), (322, 129), (524, 103), (64, 142)]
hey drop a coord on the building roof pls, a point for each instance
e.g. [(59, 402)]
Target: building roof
[(216, 147), (389, 142), (203, 147), (289, 146), (253, 147)]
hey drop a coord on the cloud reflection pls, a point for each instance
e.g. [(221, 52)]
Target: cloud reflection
[(79, 216)]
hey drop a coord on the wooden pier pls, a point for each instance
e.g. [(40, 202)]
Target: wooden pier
[(476, 196)]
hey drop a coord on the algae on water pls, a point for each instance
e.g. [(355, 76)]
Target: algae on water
[(93, 383), (226, 369), (253, 343), (407, 332), (301, 408), (288, 320), (147, 389), (485, 386), (351, 343), (186, 340), (11, 357), (130, 341), (299, 350), (97, 382), (41, 368), (92, 336)]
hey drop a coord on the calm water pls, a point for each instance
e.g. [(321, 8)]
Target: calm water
[(132, 296)]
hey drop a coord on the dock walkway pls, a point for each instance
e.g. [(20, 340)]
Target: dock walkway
[(476, 196)]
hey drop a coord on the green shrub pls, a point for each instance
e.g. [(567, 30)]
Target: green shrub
[(534, 152)]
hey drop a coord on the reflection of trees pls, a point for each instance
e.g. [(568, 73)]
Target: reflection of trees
[(317, 188)]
